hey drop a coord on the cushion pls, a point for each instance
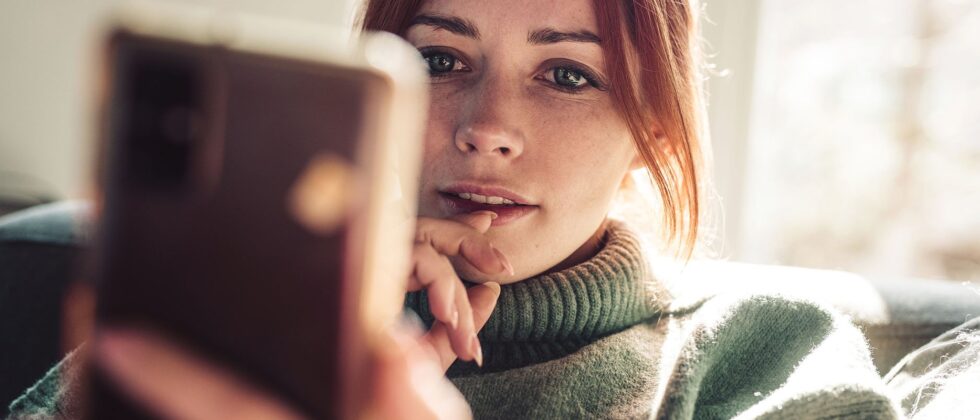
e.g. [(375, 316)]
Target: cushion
[(38, 251)]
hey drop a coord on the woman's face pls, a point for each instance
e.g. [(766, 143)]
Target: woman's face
[(520, 112)]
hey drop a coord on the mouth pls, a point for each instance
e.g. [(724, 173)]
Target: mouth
[(468, 198)]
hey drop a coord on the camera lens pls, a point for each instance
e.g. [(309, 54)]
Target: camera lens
[(158, 118)]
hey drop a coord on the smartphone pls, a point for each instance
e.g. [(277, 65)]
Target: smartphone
[(259, 192)]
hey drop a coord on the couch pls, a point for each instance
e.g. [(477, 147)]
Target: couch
[(40, 248)]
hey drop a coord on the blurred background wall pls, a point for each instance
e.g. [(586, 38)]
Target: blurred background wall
[(847, 134), (864, 138), (48, 52)]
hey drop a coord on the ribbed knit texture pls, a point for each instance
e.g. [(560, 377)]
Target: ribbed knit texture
[(592, 341), (555, 314)]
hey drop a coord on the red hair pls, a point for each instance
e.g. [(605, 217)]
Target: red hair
[(652, 56)]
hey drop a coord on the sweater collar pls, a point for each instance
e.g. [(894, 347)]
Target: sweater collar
[(553, 314)]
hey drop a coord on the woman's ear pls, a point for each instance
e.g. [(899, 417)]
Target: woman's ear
[(636, 163)]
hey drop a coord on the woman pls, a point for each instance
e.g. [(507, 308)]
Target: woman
[(540, 110)]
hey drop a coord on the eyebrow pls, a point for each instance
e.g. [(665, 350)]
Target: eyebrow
[(464, 27), (458, 26), (553, 36)]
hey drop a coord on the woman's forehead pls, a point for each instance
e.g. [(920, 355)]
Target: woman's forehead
[(489, 16)]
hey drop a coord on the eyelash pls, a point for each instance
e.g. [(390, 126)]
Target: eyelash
[(591, 78), (429, 52)]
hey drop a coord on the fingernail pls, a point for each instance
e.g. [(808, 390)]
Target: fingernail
[(503, 261), (493, 215), (477, 350), (454, 317)]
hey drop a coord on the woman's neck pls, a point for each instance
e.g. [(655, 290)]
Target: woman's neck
[(589, 249)]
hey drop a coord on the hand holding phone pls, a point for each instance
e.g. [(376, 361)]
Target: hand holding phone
[(408, 366), (174, 383), (408, 382), (259, 183)]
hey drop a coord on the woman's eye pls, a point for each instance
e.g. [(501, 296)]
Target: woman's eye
[(568, 77), (571, 78), (441, 63)]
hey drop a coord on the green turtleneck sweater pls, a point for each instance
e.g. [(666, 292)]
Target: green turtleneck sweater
[(601, 340)]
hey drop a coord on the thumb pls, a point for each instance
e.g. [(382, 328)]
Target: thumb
[(409, 383), (173, 383)]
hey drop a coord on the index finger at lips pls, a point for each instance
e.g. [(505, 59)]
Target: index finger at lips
[(454, 238), (479, 220)]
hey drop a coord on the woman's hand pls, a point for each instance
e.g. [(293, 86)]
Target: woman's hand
[(175, 384), (409, 366), (460, 316)]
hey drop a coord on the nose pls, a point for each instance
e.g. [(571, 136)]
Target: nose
[(491, 140), (490, 123)]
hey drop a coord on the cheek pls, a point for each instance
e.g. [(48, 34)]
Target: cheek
[(436, 155), (442, 121), (588, 151)]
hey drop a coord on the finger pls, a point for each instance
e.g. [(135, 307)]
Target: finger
[(463, 337), (483, 298), (436, 270), (479, 220), (175, 384), (435, 273), (450, 237)]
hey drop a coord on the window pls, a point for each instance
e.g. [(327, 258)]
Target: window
[(863, 146)]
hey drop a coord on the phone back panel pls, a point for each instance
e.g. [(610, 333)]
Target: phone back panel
[(218, 165)]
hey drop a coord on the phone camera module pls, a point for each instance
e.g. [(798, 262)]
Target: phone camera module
[(159, 119)]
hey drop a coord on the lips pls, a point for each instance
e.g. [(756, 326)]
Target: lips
[(472, 191), (470, 197)]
